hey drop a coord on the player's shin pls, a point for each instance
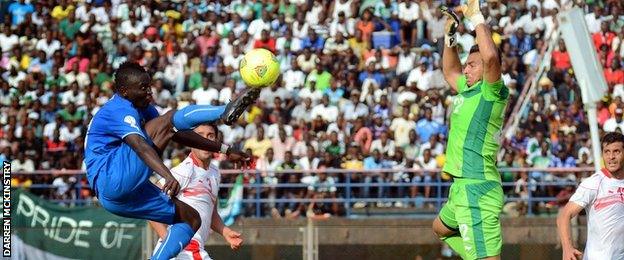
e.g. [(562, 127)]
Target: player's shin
[(193, 115), (178, 237), (456, 243)]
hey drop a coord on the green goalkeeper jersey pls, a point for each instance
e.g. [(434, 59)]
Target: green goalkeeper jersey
[(475, 130)]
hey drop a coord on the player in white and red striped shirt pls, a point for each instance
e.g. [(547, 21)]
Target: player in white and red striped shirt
[(602, 197), (199, 180)]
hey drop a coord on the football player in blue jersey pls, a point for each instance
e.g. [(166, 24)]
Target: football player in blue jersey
[(123, 146)]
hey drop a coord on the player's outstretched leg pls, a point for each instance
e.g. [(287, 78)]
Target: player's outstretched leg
[(235, 108), (180, 233), (191, 116)]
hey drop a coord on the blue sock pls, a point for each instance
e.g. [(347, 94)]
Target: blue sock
[(192, 115), (178, 237)]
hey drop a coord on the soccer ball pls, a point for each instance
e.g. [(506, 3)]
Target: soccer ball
[(259, 68)]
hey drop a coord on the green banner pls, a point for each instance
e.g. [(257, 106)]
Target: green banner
[(44, 228)]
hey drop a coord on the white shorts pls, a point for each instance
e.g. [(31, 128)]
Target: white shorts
[(193, 251)]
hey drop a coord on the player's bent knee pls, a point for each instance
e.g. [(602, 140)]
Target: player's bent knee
[(160, 129), (186, 213)]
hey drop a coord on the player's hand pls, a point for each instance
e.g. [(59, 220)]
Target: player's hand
[(233, 238), (238, 157), (450, 28), (171, 187), (472, 11), (571, 253)]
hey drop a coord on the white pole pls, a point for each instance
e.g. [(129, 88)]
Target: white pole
[(593, 130)]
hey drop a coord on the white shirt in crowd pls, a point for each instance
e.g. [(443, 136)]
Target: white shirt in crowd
[(405, 63), (611, 125), (293, 79), (409, 14), (602, 196), (422, 79), (387, 149), (48, 47), (593, 22), (531, 25), (205, 96), (256, 26), (69, 135), (7, 42), (328, 113), (231, 134), (401, 128)]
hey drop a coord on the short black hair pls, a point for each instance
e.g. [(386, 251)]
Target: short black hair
[(213, 125), (128, 74), (612, 137), (475, 48)]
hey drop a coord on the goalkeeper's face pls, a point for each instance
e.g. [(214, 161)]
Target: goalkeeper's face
[(473, 70)]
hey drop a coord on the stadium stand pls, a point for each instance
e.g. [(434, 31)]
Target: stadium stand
[(361, 86)]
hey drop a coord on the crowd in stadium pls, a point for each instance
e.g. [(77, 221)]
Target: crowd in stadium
[(361, 87)]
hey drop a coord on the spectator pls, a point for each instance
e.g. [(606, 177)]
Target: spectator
[(401, 127), (59, 59), (22, 163), (282, 144), (268, 165), (373, 162), (323, 187), (259, 145), (265, 41), (19, 10), (426, 127), (616, 122), (424, 162), (325, 111), (604, 37), (384, 145), (524, 186)]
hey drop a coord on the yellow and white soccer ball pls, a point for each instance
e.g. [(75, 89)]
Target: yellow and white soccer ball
[(259, 68)]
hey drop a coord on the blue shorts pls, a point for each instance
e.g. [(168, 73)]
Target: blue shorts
[(125, 190)]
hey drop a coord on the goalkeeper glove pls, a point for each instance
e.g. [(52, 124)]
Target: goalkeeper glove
[(450, 38), (472, 11)]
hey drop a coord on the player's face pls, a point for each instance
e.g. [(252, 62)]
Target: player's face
[(209, 133), (473, 68), (140, 94), (613, 154)]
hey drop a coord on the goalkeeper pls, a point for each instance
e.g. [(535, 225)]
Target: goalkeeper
[(469, 222)]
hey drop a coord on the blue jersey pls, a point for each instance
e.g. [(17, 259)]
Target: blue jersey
[(117, 119)]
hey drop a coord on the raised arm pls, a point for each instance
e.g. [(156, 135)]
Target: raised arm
[(487, 48), (489, 54), (192, 139), (151, 158), (451, 65), (563, 226)]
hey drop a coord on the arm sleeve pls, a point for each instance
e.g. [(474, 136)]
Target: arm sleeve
[(585, 194), (124, 122)]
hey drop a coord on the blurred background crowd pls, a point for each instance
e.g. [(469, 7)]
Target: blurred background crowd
[(361, 87)]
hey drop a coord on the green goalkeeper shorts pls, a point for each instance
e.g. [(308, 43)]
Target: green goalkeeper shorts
[(473, 209)]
